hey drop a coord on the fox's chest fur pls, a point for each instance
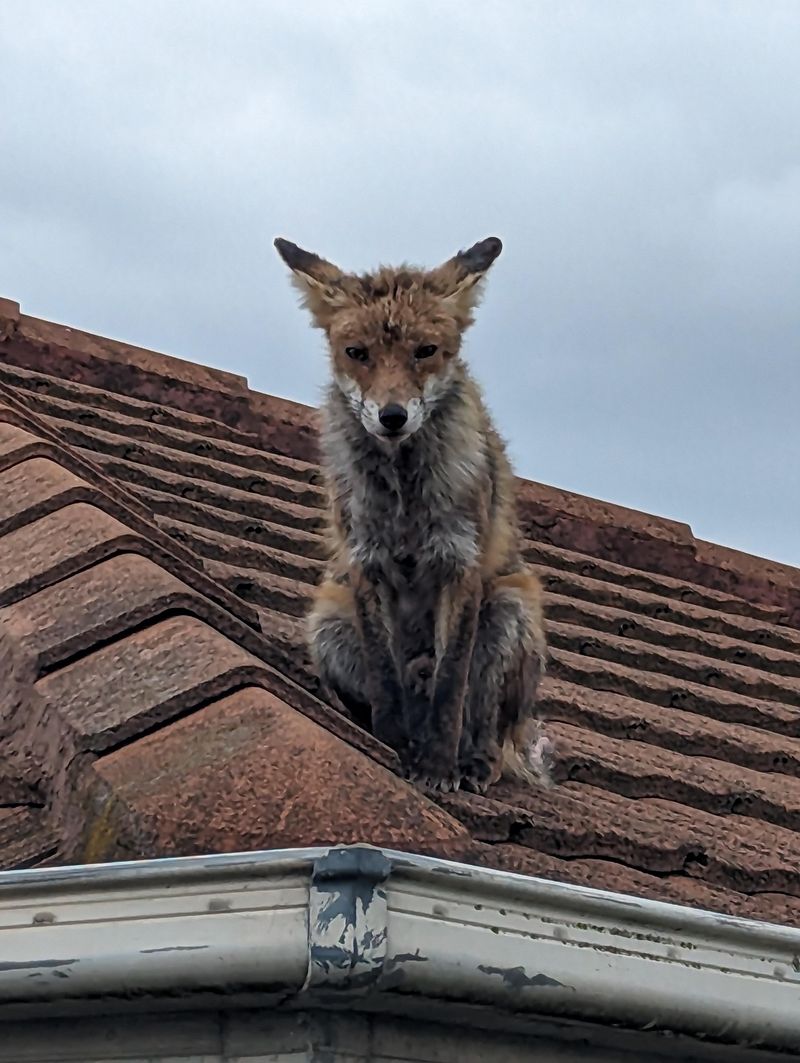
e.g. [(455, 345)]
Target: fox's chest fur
[(412, 517), (409, 522)]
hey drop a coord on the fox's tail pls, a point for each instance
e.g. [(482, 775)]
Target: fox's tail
[(528, 755)]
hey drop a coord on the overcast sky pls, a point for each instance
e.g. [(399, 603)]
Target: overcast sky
[(640, 336)]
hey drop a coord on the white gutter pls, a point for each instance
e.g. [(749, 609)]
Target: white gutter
[(359, 926)]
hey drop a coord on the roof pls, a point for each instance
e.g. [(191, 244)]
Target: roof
[(371, 930), (159, 537)]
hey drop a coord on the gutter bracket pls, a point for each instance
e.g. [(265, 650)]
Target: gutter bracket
[(347, 920)]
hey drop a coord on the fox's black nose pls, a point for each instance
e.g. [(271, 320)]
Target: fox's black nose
[(393, 417)]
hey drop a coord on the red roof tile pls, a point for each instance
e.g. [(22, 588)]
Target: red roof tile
[(159, 538)]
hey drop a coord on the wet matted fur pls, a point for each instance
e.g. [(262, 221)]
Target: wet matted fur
[(428, 624)]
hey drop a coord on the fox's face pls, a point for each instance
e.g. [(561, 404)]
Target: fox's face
[(392, 357), (394, 335)]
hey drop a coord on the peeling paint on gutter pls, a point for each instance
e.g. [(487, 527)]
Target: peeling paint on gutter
[(347, 919), (518, 978), (354, 924)]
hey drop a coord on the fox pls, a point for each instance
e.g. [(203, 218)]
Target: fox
[(427, 623)]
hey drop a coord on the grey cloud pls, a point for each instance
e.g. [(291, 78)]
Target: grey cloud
[(639, 337)]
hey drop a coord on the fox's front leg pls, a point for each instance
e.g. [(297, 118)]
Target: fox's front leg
[(435, 719), (383, 686)]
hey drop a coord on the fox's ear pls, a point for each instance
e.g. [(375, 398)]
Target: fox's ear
[(321, 284), (459, 280)]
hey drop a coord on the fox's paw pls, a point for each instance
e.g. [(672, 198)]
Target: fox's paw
[(480, 769), (432, 774), (429, 782)]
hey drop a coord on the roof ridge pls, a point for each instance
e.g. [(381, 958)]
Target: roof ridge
[(133, 586), (282, 425)]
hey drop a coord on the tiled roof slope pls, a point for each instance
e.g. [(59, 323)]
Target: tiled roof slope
[(159, 537)]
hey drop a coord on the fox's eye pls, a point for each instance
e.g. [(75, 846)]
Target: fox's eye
[(358, 354), (426, 351)]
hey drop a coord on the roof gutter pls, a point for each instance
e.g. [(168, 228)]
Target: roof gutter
[(358, 925)]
